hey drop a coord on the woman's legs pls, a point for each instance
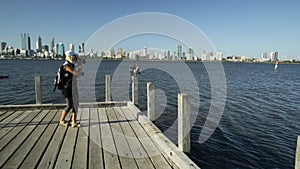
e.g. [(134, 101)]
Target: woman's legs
[(65, 112)]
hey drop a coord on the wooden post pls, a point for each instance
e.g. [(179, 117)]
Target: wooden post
[(150, 101), (107, 88), (38, 90), (184, 109), (134, 90), (297, 158)]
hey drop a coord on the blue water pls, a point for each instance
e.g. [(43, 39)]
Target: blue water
[(258, 128)]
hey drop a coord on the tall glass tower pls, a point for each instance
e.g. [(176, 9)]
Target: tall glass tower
[(25, 39), (179, 51), (52, 45), (61, 49), (39, 44)]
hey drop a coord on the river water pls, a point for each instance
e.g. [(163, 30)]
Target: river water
[(257, 129)]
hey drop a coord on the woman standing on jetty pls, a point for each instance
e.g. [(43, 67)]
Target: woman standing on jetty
[(71, 91)]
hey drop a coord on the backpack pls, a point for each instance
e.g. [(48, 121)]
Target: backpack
[(60, 79)]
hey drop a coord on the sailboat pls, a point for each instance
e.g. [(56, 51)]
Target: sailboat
[(276, 65)]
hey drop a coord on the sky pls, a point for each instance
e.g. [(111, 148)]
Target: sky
[(234, 27)]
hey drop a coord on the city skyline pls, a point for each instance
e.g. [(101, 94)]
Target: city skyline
[(234, 27), (58, 49)]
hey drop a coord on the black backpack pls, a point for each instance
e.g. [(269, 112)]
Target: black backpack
[(60, 79)]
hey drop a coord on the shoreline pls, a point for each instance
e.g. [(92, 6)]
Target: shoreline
[(153, 60)]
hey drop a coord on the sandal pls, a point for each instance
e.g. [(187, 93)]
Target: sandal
[(64, 123), (75, 125)]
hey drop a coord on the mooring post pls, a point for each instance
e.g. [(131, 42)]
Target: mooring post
[(150, 101), (107, 88), (134, 90), (297, 158), (38, 90), (184, 109)]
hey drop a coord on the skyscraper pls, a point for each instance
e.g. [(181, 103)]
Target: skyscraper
[(79, 49), (145, 52), (264, 55), (219, 56), (2, 46), (61, 49), (82, 48), (190, 54), (274, 56), (179, 51), (52, 46), (23, 46), (39, 44), (25, 39), (71, 46)]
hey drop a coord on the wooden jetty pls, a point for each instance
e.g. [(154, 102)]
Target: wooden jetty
[(112, 135)]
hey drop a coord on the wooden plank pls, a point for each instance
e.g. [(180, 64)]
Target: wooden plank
[(17, 158), (81, 147), (95, 143), (155, 155), (2, 112), (5, 114), (12, 124), (50, 156), (34, 157), (65, 156), (139, 153), (10, 116), (171, 152), (14, 144), (109, 150), (18, 128), (123, 150)]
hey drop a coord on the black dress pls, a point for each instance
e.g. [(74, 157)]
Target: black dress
[(67, 92)]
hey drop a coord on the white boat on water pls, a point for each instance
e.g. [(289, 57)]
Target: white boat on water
[(276, 65)]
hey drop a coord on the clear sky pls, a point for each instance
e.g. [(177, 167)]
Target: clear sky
[(235, 27)]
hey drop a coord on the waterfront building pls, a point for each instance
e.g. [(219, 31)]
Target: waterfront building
[(190, 54), (134, 54), (39, 44), (52, 46), (164, 55), (23, 52), (236, 58), (109, 53), (61, 50), (71, 46), (210, 56), (274, 56), (23, 46), (203, 55), (145, 52), (174, 55), (120, 53), (169, 55), (179, 51), (25, 39), (112, 52), (79, 49), (56, 49), (2, 46), (219, 56), (82, 48), (207, 56), (264, 55), (45, 48)]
